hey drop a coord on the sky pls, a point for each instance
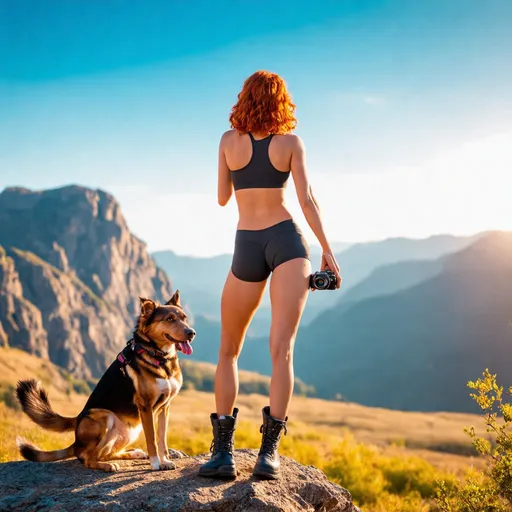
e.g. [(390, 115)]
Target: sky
[(405, 109)]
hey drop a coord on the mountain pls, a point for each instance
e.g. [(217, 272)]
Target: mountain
[(199, 279), (70, 277), (403, 334), (412, 334), (360, 260), (389, 279), (71, 274), (20, 320), (337, 247), (202, 279), (415, 349)]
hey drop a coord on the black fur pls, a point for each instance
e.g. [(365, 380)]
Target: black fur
[(115, 391), (28, 451), (35, 404)]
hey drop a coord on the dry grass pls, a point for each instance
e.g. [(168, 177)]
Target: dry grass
[(389, 460), (315, 422)]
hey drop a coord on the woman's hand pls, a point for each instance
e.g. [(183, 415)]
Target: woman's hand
[(329, 263)]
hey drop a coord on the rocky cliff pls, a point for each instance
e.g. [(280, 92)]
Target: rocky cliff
[(71, 274), (20, 320), (69, 486)]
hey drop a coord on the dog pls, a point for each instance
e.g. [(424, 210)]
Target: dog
[(136, 389)]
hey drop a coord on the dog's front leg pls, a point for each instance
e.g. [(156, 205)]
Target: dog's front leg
[(148, 425), (163, 418)]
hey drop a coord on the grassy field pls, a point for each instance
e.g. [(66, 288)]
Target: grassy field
[(389, 460)]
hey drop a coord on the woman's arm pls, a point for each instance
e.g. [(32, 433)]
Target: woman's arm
[(310, 206), (224, 183), (307, 201)]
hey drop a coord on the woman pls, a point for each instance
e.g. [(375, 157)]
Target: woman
[(256, 159)]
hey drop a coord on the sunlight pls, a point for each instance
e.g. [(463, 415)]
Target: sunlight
[(462, 192)]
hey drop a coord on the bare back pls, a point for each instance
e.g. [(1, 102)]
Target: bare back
[(259, 208)]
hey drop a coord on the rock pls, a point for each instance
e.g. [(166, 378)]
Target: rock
[(71, 276), (84, 332), (68, 486), (20, 320)]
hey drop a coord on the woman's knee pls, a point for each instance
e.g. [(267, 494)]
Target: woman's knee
[(281, 350), (230, 349)]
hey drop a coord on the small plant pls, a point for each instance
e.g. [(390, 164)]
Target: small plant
[(490, 492)]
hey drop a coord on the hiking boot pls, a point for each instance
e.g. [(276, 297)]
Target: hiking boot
[(267, 465), (222, 462)]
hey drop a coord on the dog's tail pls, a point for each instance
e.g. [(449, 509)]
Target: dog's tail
[(30, 452), (34, 402)]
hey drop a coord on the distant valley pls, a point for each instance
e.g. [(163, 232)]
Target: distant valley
[(202, 279), (409, 336), (413, 322)]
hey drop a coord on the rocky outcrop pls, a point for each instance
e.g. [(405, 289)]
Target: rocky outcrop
[(20, 320), (72, 276), (69, 486)]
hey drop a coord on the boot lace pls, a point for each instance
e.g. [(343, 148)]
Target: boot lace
[(224, 441), (271, 437)]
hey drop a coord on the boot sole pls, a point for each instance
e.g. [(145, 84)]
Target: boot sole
[(266, 475), (227, 472)]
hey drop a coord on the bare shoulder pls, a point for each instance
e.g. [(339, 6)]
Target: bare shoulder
[(291, 141), (227, 137), (230, 135)]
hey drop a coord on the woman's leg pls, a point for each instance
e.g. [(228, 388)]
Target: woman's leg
[(239, 302), (288, 294)]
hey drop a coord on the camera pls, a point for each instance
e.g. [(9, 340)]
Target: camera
[(323, 280)]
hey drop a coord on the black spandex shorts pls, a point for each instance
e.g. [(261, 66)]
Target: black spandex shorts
[(259, 252)]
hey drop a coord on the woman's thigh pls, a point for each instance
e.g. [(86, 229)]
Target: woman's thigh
[(288, 295), (240, 299)]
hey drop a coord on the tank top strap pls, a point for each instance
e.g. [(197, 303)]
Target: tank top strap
[(266, 139)]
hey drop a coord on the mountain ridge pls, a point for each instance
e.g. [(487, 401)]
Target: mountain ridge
[(71, 274), (357, 261), (340, 347), (455, 315)]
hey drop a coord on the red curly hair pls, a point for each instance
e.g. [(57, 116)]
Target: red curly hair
[(264, 106)]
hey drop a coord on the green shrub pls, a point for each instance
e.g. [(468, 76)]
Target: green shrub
[(490, 491), (406, 475)]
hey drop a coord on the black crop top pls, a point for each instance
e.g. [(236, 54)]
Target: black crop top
[(259, 172)]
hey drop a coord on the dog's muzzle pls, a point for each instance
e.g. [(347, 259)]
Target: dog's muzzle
[(183, 346)]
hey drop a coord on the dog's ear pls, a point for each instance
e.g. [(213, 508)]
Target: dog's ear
[(174, 300), (147, 307)]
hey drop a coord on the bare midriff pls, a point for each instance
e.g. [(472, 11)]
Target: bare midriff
[(260, 208)]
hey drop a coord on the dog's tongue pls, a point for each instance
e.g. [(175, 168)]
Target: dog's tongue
[(186, 347)]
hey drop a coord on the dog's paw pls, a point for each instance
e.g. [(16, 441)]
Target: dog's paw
[(155, 463), (138, 454), (175, 454), (167, 464), (110, 467)]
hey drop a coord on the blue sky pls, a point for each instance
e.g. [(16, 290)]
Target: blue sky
[(395, 100)]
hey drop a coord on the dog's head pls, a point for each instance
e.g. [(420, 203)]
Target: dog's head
[(166, 325)]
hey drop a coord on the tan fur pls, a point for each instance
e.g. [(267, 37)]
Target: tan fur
[(101, 435)]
